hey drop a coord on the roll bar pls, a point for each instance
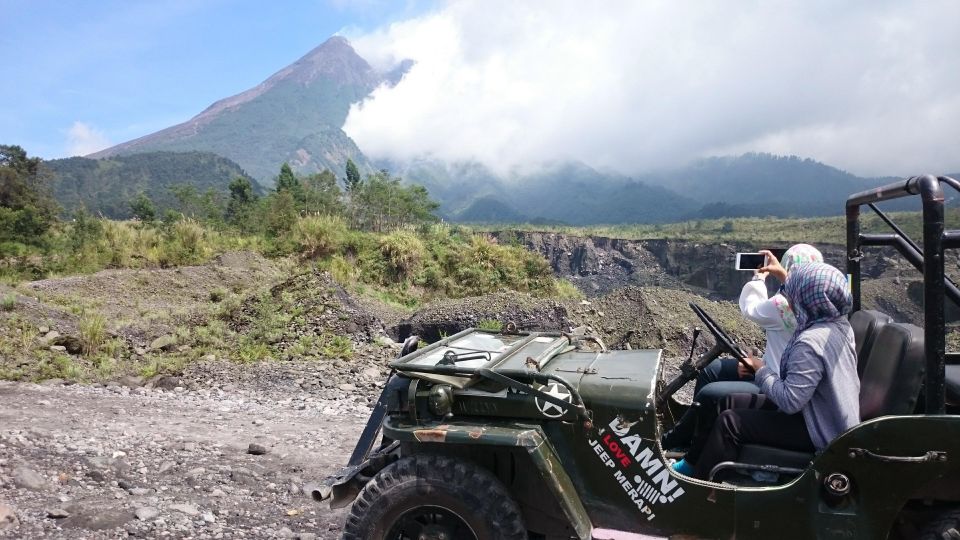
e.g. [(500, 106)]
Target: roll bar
[(928, 260)]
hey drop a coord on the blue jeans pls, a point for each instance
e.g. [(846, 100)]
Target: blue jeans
[(716, 381)]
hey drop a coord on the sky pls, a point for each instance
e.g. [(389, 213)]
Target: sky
[(872, 87), (82, 75)]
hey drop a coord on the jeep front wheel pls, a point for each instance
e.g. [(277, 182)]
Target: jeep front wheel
[(945, 527), (426, 497)]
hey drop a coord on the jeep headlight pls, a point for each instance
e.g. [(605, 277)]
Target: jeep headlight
[(441, 400)]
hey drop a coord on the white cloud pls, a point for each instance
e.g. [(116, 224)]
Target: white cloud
[(872, 87), (83, 139)]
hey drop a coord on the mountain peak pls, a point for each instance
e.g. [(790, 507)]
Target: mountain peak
[(303, 104)]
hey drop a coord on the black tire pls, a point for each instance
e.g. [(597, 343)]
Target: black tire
[(457, 497), (945, 527)]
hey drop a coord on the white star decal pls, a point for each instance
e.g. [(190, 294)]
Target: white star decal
[(552, 410)]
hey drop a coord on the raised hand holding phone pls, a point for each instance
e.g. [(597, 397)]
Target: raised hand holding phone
[(773, 266)]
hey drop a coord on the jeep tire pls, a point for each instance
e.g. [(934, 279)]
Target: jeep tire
[(435, 497), (945, 527)]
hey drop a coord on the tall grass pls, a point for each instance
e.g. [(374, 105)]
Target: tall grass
[(320, 236), (93, 332)]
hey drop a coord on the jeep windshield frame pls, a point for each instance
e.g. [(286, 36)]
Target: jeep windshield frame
[(928, 258)]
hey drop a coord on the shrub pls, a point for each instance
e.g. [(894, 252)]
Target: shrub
[(565, 289), (333, 346), (320, 236), (403, 252), (92, 332), (252, 351), (490, 324), (186, 243), (9, 302), (120, 240), (218, 294)]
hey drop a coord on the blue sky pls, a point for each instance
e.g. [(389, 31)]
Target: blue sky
[(869, 86), (126, 68)]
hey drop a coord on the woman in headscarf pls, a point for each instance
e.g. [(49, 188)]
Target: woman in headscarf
[(814, 395), (725, 376)]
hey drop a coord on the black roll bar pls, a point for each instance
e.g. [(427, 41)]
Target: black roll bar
[(929, 261)]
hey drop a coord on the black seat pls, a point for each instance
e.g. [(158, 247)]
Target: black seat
[(890, 384), (953, 384), (866, 325), (894, 373)]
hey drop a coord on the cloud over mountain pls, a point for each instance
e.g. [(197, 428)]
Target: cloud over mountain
[(873, 87)]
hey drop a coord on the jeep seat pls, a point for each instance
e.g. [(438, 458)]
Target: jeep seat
[(866, 325), (953, 384), (890, 384)]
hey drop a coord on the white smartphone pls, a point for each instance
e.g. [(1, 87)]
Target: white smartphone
[(750, 261)]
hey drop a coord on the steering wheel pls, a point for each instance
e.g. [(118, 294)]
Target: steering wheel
[(689, 370), (723, 339)]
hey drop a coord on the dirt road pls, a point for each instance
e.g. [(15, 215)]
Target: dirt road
[(114, 462)]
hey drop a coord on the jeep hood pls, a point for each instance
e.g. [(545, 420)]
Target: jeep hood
[(616, 379)]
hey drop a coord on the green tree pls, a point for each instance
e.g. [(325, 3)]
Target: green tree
[(281, 214), (352, 181), (242, 205), (143, 208), (287, 181), (27, 210), (321, 193), (382, 203)]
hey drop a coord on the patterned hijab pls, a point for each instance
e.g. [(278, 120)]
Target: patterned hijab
[(797, 254), (818, 293), (800, 254)]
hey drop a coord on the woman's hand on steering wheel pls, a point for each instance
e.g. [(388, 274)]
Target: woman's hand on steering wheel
[(751, 361)]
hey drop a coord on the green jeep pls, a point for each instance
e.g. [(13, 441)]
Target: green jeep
[(547, 435)]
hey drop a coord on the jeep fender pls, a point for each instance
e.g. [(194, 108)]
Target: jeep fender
[(542, 455)]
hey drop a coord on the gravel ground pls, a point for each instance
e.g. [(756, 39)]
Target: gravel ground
[(114, 462)]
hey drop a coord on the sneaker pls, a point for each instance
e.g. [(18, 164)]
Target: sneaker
[(683, 467)]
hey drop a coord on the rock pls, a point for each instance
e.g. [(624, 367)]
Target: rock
[(189, 446), (372, 373), (347, 387), (101, 519), (125, 484), (195, 472), (57, 513), (43, 329), (29, 479), (8, 519), (245, 476), (145, 513), (167, 382), (49, 336), (140, 492), (257, 449), (96, 476), (306, 536), (163, 343), (208, 517), (72, 344), (384, 341), (130, 381), (187, 509), (285, 533), (165, 466), (58, 348)]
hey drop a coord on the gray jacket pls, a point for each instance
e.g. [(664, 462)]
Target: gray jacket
[(818, 377)]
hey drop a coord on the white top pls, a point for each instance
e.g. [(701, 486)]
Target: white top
[(773, 315)]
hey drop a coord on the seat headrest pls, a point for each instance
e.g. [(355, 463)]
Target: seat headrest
[(894, 372)]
